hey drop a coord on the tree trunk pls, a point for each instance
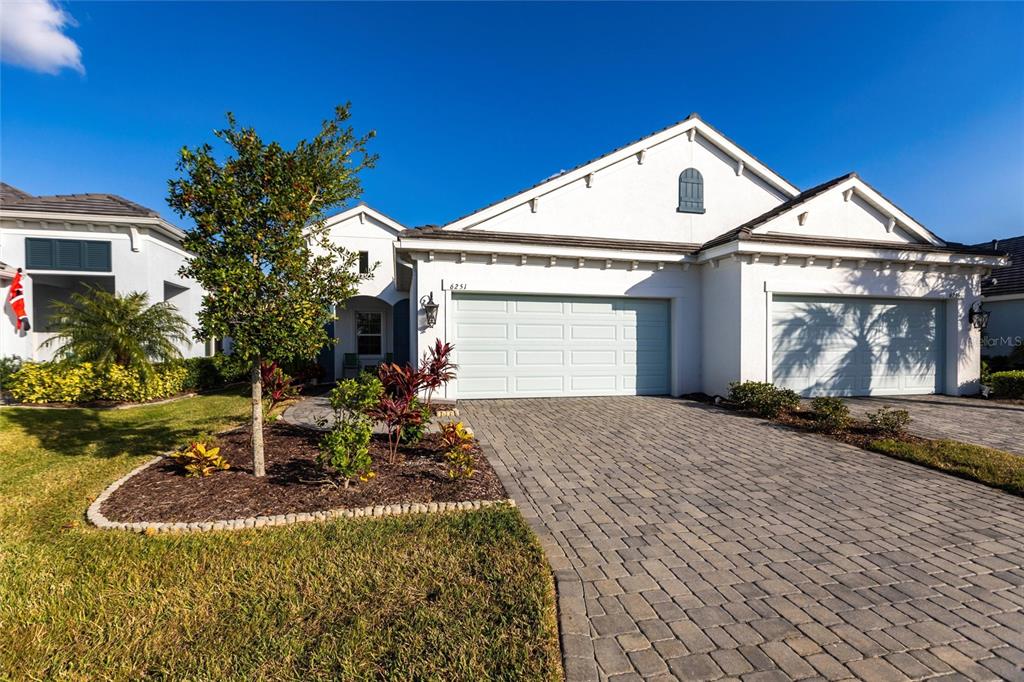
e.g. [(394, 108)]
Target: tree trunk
[(258, 466)]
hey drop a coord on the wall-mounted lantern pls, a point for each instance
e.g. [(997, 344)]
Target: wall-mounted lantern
[(430, 309), (978, 316)]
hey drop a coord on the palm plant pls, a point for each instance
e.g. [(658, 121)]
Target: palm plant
[(107, 328)]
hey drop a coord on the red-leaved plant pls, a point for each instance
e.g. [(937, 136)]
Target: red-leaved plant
[(395, 413), (277, 386), (437, 367)]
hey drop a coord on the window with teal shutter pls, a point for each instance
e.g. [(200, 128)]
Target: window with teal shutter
[(691, 191), (76, 255)]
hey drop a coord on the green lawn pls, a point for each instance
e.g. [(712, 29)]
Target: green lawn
[(975, 462), (456, 596)]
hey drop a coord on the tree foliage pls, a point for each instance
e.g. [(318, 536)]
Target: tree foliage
[(261, 249), (107, 328)]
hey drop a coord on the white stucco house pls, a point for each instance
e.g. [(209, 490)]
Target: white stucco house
[(65, 242), (675, 264)]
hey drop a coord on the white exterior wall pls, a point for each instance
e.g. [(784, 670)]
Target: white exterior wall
[(157, 260), (508, 275), (761, 280), (363, 232), (1005, 325), (630, 200), (720, 320)]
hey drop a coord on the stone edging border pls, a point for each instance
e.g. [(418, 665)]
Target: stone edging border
[(96, 518)]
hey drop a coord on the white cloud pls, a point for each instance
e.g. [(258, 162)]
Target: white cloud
[(31, 36)]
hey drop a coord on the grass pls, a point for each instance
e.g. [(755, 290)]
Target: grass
[(454, 596), (992, 467)]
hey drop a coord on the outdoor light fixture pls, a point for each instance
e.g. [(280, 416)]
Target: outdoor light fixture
[(430, 309), (978, 316)]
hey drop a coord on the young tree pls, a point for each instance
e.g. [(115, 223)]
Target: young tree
[(260, 247)]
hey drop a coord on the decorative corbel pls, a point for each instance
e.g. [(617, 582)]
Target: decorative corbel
[(661, 266), (891, 225), (134, 238), (362, 217), (534, 203), (754, 258), (783, 258), (641, 155), (739, 167), (553, 261), (430, 256), (522, 260), (589, 179), (462, 257), (607, 263), (686, 267), (809, 261), (691, 134), (862, 262), (847, 194), (633, 265), (580, 262), (836, 262), (494, 258)]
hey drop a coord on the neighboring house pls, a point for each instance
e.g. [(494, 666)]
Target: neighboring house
[(675, 264), (64, 243), (1004, 299)]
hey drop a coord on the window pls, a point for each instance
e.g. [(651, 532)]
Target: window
[(67, 254), (364, 262), (691, 191), (369, 328)]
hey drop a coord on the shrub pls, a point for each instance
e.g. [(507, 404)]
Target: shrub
[(459, 444), (1008, 384), (438, 369), (202, 374), (8, 366), (413, 433), (200, 458), (889, 422), (52, 382), (345, 451), (277, 386), (763, 398), (831, 414), (356, 396), (395, 414)]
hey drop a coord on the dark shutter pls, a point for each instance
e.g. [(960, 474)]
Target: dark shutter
[(96, 256), (364, 262), (38, 254), (691, 191), (67, 254)]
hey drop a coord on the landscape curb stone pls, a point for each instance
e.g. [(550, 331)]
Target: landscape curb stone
[(97, 518)]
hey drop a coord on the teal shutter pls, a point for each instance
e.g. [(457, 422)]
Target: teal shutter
[(691, 191), (67, 254), (96, 256), (38, 254)]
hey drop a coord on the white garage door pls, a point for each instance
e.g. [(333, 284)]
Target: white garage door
[(855, 346), (511, 346)]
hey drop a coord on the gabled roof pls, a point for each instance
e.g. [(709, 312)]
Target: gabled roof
[(1009, 280), (362, 209), (691, 122), (13, 199), (849, 181), (549, 240)]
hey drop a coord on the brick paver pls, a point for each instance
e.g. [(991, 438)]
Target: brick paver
[(991, 423), (693, 542)]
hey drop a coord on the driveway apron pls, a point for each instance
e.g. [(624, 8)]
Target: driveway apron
[(695, 543)]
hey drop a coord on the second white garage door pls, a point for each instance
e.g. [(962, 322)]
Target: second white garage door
[(513, 346), (851, 346)]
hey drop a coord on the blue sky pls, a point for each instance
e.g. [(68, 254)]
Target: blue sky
[(472, 102)]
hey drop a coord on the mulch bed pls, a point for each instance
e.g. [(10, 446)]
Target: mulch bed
[(294, 482)]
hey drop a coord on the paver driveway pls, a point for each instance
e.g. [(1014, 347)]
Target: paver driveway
[(696, 543), (970, 420)]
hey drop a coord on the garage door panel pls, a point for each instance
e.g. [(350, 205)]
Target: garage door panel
[(837, 346), (560, 346)]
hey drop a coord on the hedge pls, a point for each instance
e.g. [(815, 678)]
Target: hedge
[(55, 382), (1008, 384)]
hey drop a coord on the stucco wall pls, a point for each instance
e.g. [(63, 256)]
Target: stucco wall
[(721, 324), (958, 291), (831, 215), (629, 200), (370, 235), (538, 276), (157, 261)]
